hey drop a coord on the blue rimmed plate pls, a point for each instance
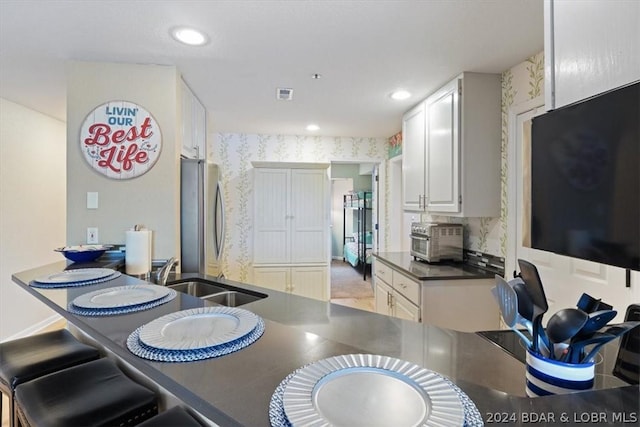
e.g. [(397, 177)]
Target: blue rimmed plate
[(159, 355), (198, 328), (77, 275), (92, 312), (67, 280), (121, 296)]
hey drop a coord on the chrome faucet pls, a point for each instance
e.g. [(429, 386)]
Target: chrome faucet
[(163, 273)]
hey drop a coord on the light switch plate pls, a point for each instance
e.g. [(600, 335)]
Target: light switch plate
[(92, 200), (92, 235)]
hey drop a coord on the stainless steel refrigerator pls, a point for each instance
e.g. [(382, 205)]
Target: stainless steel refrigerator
[(201, 217)]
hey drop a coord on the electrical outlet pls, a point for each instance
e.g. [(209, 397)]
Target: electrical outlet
[(92, 235)]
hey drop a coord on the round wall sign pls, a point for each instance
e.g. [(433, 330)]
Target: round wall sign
[(120, 139)]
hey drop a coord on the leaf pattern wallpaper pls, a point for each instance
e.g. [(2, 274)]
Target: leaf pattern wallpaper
[(235, 152)]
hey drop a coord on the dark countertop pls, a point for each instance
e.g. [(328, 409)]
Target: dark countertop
[(236, 389), (422, 271)]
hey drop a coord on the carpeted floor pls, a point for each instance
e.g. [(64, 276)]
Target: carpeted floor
[(347, 282)]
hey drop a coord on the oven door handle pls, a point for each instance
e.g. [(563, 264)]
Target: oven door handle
[(418, 238)]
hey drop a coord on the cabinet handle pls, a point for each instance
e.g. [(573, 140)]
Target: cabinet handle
[(403, 286), (391, 301), (388, 299)]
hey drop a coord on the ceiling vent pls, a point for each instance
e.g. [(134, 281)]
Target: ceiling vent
[(284, 94)]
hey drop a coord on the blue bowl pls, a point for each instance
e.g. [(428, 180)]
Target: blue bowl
[(82, 255)]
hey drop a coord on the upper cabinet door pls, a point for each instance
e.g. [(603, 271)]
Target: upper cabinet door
[(413, 151), (194, 126), (443, 150), (590, 48), (188, 149)]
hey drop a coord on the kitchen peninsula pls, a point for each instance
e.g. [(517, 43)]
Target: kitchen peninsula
[(235, 390)]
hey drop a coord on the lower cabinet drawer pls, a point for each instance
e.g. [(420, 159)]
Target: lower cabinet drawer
[(383, 271), (407, 287)]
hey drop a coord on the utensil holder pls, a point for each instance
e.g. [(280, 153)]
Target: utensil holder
[(546, 376)]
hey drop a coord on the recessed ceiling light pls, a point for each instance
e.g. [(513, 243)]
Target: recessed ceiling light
[(399, 95), (189, 36), (313, 127)]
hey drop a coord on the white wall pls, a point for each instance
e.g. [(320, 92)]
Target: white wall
[(151, 199), (32, 209)]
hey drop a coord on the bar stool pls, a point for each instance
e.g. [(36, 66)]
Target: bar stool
[(96, 393), (174, 417), (25, 359)]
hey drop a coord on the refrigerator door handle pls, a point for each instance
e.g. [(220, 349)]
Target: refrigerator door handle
[(218, 234)]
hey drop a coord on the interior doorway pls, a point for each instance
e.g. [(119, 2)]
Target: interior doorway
[(354, 223)]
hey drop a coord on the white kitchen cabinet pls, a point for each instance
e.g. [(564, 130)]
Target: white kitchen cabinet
[(303, 281), (399, 298), (465, 305), (453, 149), (403, 308), (413, 160), (383, 292), (291, 226), (589, 48), (462, 175), (193, 126), (442, 169)]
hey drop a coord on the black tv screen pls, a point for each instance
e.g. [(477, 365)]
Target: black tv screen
[(585, 179)]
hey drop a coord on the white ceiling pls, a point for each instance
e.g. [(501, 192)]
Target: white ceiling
[(363, 50)]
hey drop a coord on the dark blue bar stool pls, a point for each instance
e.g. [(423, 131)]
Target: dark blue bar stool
[(174, 417), (25, 359), (96, 393)]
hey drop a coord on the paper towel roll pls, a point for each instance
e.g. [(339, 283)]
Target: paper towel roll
[(138, 252)]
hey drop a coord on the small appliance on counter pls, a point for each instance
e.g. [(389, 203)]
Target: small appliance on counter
[(434, 242)]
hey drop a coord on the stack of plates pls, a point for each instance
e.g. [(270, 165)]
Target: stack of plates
[(77, 277), (196, 334), (370, 390), (121, 300)]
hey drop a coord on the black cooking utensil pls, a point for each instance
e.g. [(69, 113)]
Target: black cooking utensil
[(531, 278), (564, 325), (614, 330), (525, 309), (596, 321), (575, 353), (589, 304)]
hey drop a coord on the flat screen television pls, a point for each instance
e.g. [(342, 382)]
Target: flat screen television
[(585, 179)]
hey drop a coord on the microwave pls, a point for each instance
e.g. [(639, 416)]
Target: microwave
[(434, 242)]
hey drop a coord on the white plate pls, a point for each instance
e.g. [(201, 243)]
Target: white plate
[(121, 296), (77, 275), (198, 328), (370, 390)]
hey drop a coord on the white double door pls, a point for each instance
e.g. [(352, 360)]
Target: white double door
[(564, 278), (291, 216)]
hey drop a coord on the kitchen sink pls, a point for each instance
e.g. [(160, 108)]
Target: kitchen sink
[(232, 298), (197, 288), (216, 293)]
